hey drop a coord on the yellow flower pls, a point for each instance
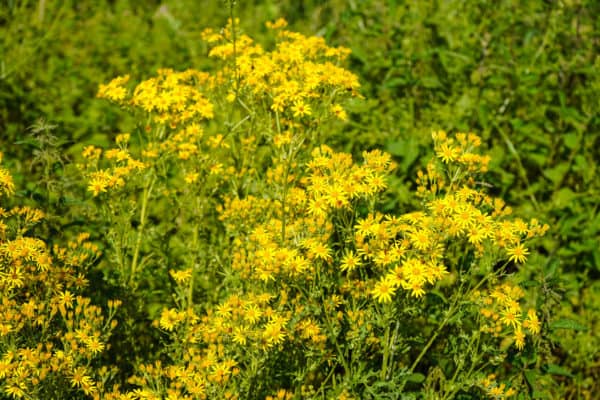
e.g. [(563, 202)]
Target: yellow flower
[(181, 276), (519, 338), (170, 318), (532, 323), (510, 317), (252, 313), (123, 138), (273, 333), (350, 262), (7, 185), (300, 109), (518, 253), (383, 291), (339, 112), (94, 344), (447, 152)]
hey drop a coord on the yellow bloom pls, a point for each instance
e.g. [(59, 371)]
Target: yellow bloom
[(383, 291), (170, 318), (300, 109), (447, 152), (532, 323), (518, 253), (339, 112), (510, 317), (519, 338), (181, 276), (350, 262), (7, 185)]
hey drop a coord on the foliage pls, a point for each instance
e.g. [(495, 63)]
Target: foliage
[(245, 226)]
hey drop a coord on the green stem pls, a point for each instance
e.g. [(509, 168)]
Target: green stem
[(386, 353), (138, 241), (520, 166), (194, 262), (234, 39)]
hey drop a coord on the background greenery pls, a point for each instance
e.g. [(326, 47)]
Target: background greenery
[(524, 75)]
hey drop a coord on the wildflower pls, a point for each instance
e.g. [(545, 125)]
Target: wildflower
[(94, 345), (191, 177), (320, 251), (80, 379), (123, 138), (447, 152), (98, 185), (350, 262), (278, 24), (114, 90), (416, 289), (532, 323), (7, 185), (273, 333), (383, 291), (170, 318), (339, 112), (252, 313), (300, 109), (240, 334), (519, 338), (510, 317), (181, 276), (65, 301), (14, 279), (518, 253)]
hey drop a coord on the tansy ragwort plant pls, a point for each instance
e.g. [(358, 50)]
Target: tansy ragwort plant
[(307, 290), (51, 336), (333, 306), (175, 158)]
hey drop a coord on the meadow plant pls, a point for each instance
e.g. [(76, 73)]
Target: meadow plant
[(51, 335), (261, 255)]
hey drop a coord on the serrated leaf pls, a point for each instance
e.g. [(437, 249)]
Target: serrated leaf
[(555, 369), (566, 323)]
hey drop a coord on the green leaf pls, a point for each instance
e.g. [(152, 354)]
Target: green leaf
[(531, 377), (566, 323), (555, 369), (431, 82), (571, 140), (563, 198), (415, 378), (557, 173), (394, 82)]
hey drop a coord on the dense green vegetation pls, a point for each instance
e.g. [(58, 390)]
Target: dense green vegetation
[(524, 76)]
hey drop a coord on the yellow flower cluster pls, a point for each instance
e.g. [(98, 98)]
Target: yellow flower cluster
[(334, 181), (176, 106), (496, 390), (115, 90), (173, 97), (299, 70), (503, 312), (207, 365), (262, 321), (281, 394), (122, 166), (307, 259), (48, 332), (459, 150), (457, 211)]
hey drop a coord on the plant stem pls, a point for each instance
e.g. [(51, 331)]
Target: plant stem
[(138, 241), (387, 345)]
